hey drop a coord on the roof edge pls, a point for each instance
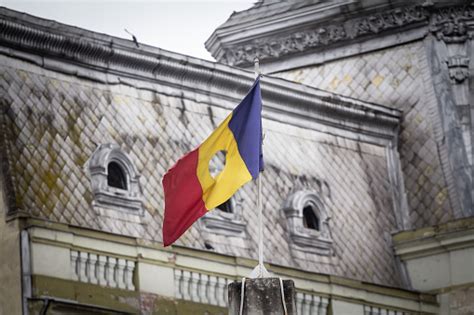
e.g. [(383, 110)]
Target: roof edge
[(48, 43), (314, 29)]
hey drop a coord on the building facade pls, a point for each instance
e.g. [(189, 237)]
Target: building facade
[(366, 187)]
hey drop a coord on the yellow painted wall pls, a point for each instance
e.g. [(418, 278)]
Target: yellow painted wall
[(10, 263)]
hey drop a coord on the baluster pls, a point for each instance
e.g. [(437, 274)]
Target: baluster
[(186, 285), (194, 286), (91, 269), (212, 290), (307, 304), (204, 289), (178, 284), (226, 290), (101, 269), (299, 302), (110, 272), (83, 257), (120, 278), (325, 303), (129, 269), (312, 304), (221, 292), (317, 304), (74, 265)]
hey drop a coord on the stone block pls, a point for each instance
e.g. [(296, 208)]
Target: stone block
[(156, 279), (262, 296), (51, 261)]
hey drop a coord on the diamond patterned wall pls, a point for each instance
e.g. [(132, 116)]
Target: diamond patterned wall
[(393, 77), (52, 124)]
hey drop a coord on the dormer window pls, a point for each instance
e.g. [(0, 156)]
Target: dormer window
[(225, 207), (308, 225), (225, 219), (310, 219), (115, 180), (116, 176)]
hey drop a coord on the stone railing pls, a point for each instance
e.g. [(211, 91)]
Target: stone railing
[(372, 310), (102, 270), (201, 288), (206, 289), (310, 304)]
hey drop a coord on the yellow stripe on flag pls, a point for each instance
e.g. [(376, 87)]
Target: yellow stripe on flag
[(235, 173)]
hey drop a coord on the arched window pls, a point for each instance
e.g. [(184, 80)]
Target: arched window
[(310, 219), (115, 180), (225, 207), (116, 176), (307, 220)]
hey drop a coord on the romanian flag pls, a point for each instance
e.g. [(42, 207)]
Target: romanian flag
[(191, 191)]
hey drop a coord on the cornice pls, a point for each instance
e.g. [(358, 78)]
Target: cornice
[(281, 41), (434, 240), (101, 57)]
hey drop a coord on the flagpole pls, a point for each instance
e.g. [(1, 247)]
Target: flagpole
[(259, 271)]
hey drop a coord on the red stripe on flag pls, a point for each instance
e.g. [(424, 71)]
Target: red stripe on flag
[(183, 197)]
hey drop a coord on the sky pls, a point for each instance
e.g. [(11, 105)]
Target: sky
[(180, 25)]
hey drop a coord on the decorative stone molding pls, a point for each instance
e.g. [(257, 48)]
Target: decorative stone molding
[(276, 46), (458, 68), (221, 222), (102, 270), (112, 60), (316, 241), (449, 24), (452, 24), (112, 197)]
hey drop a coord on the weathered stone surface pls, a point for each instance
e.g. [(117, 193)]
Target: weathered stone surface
[(262, 296), (52, 124), (10, 259), (395, 76)]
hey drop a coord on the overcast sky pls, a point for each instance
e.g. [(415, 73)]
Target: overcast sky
[(179, 25)]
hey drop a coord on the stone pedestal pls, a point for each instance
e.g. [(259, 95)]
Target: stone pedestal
[(262, 297)]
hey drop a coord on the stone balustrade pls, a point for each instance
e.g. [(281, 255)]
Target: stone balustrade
[(201, 288), (102, 270), (372, 310), (310, 304)]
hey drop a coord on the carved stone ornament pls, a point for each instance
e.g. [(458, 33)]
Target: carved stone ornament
[(449, 24), (458, 68), (274, 47), (302, 238)]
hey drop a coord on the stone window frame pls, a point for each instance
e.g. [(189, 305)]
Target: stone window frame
[(220, 222), (130, 199), (306, 239)]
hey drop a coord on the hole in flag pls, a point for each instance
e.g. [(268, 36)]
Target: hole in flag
[(217, 163)]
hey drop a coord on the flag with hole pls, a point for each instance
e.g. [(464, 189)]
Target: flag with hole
[(190, 190)]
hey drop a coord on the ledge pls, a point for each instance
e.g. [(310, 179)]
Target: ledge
[(430, 241), (213, 263), (223, 223), (311, 244), (112, 60)]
